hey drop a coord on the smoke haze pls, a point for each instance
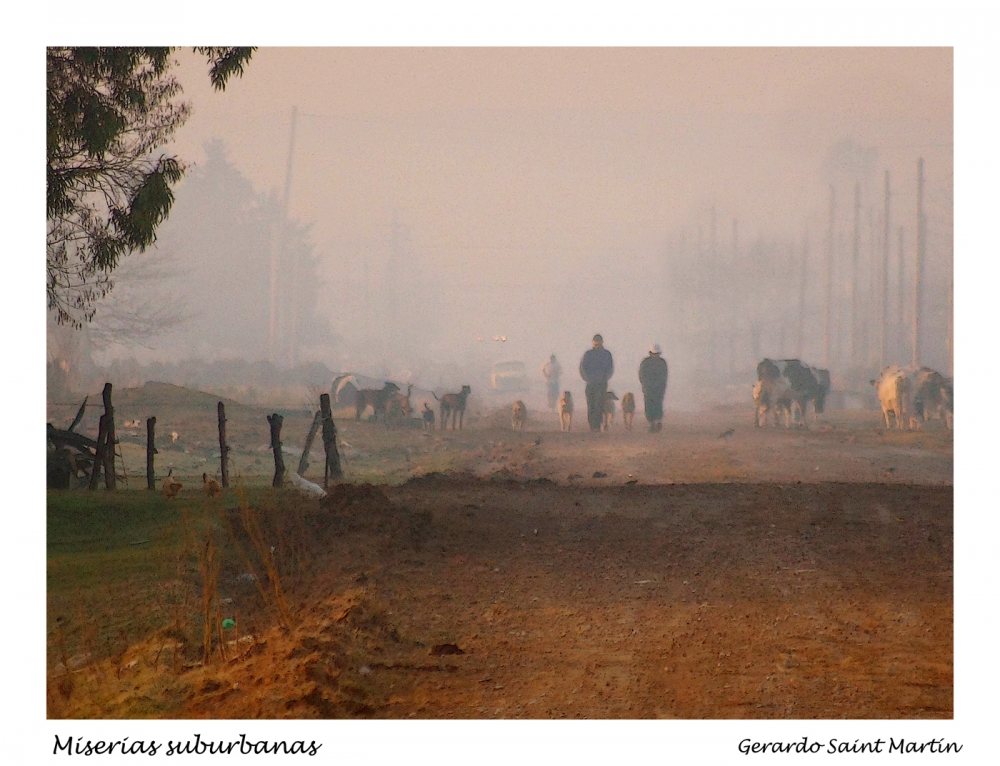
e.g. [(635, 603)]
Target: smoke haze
[(437, 198)]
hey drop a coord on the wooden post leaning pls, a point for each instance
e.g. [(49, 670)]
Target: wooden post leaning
[(150, 451), (304, 460), (105, 452), (332, 468), (275, 421), (223, 447)]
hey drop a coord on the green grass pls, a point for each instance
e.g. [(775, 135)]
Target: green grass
[(119, 564)]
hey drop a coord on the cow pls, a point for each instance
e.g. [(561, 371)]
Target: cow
[(377, 398), (518, 415), (428, 417), (454, 405), (769, 397), (608, 413), (787, 385), (933, 396), (565, 411), (628, 409), (895, 395)]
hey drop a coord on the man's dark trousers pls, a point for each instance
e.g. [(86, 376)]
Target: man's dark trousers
[(595, 404)]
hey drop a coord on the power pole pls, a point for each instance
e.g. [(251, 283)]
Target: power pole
[(712, 324), (802, 292), (828, 327), (734, 309), (276, 248), (884, 350), (901, 301), (919, 263), (855, 250), (871, 300), (293, 292)]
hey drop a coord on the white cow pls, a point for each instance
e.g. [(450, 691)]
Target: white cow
[(895, 394)]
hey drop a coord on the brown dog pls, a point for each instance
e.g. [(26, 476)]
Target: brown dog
[(454, 405), (518, 415), (565, 411), (628, 409), (377, 398), (171, 486), (404, 402), (609, 410)]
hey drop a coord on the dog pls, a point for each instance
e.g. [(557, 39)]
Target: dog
[(171, 486), (519, 414), (454, 405), (212, 488), (608, 415), (628, 409), (377, 398), (404, 402), (428, 414), (565, 411)]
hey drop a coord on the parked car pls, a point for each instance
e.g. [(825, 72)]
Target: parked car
[(509, 376)]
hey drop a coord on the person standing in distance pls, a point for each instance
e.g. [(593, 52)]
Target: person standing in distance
[(596, 368), (653, 379), (551, 372)]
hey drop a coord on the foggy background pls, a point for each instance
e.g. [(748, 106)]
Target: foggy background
[(405, 206)]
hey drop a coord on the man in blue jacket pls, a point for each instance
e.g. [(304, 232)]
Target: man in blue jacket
[(596, 368)]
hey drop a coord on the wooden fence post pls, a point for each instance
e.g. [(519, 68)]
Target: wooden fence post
[(275, 421), (304, 460), (95, 470), (223, 447), (109, 439), (150, 451), (332, 468)]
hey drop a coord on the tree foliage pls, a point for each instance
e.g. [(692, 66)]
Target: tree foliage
[(108, 110)]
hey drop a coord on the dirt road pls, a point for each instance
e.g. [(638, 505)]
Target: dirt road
[(757, 574)]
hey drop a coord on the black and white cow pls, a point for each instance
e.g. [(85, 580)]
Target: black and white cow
[(933, 396), (787, 385)]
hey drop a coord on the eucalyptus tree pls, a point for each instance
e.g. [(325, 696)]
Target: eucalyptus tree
[(108, 111)]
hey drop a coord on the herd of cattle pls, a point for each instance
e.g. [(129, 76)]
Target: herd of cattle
[(909, 394), (784, 388)]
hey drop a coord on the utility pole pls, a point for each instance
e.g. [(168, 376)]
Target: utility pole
[(802, 292), (293, 292), (884, 350), (828, 327), (901, 301), (712, 324), (871, 300), (855, 250), (276, 248), (919, 264), (734, 308)]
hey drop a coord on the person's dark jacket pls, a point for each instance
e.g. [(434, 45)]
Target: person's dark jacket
[(597, 366), (653, 376)]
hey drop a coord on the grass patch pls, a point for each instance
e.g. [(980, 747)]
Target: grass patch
[(122, 565)]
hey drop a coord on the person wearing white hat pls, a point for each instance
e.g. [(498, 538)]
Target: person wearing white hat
[(653, 379)]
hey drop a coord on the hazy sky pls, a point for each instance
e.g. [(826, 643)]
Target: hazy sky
[(528, 176), (486, 149)]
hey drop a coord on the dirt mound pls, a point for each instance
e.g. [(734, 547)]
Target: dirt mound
[(154, 394), (360, 497)]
